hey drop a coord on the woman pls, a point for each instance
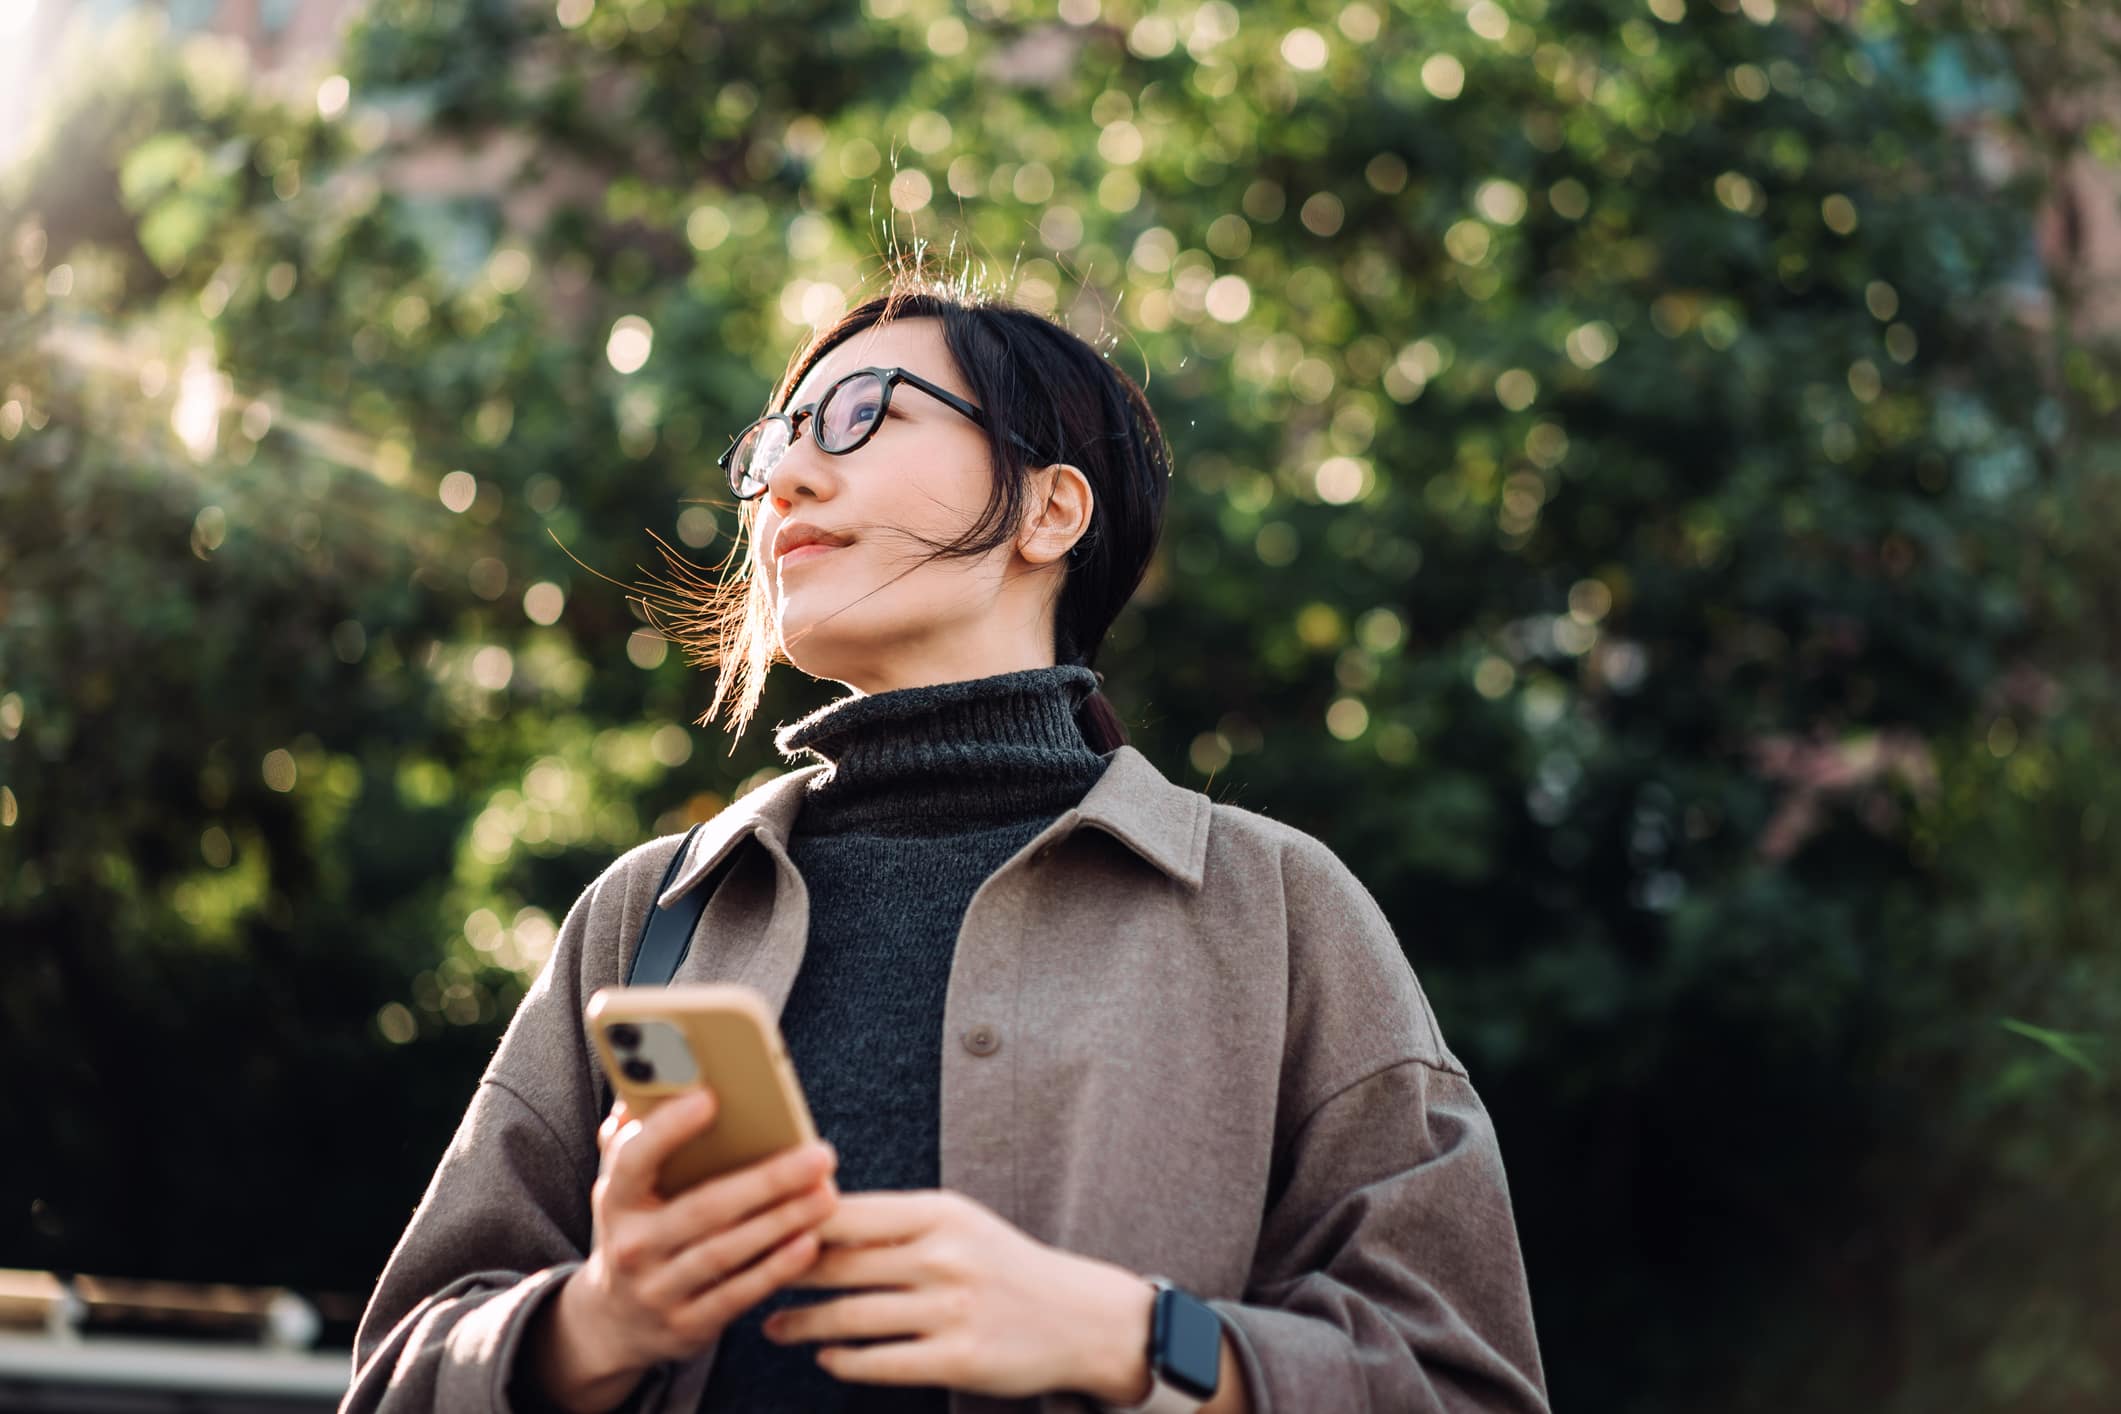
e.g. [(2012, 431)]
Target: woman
[(1065, 1026)]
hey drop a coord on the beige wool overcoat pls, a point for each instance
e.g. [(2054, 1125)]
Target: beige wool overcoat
[(1178, 1036)]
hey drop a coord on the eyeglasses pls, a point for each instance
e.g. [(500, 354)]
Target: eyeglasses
[(842, 420)]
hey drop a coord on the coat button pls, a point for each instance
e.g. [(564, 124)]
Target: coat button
[(983, 1040)]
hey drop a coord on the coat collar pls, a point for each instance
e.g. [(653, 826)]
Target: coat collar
[(1165, 824)]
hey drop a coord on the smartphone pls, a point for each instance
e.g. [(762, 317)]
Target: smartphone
[(657, 1043)]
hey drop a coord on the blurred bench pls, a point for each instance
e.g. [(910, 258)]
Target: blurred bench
[(106, 1344)]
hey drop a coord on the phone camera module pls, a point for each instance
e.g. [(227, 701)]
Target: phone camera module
[(638, 1071), (624, 1036)]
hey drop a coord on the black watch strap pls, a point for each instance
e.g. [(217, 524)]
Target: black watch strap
[(1185, 1352)]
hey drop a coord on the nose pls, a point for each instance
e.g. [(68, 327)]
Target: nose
[(802, 472)]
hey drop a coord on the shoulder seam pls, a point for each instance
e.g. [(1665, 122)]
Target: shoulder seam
[(535, 1113), (1455, 1072)]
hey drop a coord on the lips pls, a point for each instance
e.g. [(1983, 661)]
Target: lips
[(797, 542), (802, 553)]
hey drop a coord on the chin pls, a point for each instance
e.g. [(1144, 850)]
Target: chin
[(822, 648), (851, 647)]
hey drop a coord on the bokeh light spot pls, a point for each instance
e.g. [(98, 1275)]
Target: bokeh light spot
[(1589, 345), (697, 527), (395, 1022), (1493, 677), (1340, 480), (911, 190), (1229, 299), (929, 132), (1033, 184), (544, 602), (1276, 544), (1443, 76), (1209, 753), (1380, 630), (1500, 201), (1487, 19), (1347, 718), (646, 649), (632, 337), (947, 36), (1589, 600), (859, 158), (1516, 389), (1120, 143), (458, 490), (1359, 22), (707, 227), (1152, 37), (1468, 242), (1386, 173), (492, 667), (1119, 192), (671, 745), (1304, 48), (278, 769), (1323, 214)]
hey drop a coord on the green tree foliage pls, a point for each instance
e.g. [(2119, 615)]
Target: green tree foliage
[(1623, 505)]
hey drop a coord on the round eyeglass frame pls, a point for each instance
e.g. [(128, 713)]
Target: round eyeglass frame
[(795, 418)]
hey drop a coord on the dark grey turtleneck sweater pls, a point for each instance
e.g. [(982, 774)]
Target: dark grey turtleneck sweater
[(931, 789)]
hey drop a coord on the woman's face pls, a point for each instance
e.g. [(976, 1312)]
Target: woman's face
[(873, 611)]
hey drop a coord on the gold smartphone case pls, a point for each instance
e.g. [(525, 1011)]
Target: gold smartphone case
[(657, 1043)]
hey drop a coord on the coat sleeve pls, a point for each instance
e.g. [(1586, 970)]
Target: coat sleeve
[(506, 1216), (1388, 1274)]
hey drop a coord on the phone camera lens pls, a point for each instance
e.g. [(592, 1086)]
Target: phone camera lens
[(639, 1071), (624, 1036)]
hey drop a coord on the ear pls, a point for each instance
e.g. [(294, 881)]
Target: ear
[(1058, 513)]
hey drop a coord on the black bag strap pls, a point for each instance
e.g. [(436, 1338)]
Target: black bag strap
[(666, 935)]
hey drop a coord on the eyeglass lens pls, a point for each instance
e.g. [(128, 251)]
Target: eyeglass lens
[(847, 414), (759, 453), (851, 409)]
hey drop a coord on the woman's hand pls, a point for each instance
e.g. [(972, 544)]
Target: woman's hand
[(974, 1303), (664, 1277)]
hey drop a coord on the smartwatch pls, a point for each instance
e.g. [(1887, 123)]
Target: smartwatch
[(1185, 1353)]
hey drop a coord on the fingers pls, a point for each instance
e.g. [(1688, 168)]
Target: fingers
[(871, 1315), (618, 1119), (893, 1264), (723, 1202), (637, 1150), (710, 1260), (886, 1217), (714, 1308)]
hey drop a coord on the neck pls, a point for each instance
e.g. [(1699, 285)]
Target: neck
[(1013, 634)]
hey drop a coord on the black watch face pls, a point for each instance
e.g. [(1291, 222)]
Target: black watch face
[(1189, 1350)]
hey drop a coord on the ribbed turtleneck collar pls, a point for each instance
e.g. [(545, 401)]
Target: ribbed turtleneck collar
[(947, 758)]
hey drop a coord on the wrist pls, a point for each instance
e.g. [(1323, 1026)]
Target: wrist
[(1114, 1359), (571, 1356)]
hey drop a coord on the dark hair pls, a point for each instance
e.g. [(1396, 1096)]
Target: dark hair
[(1034, 379)]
